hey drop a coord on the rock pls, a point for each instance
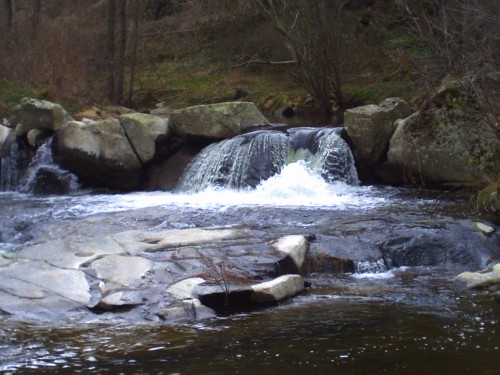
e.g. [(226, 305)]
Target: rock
[(122, 298), (457, 246), (322, 262), (140, 125), (163, 112), (164, 176), (99, 153), (277, 289), (296, 249), (442, 146), (135, 242), (37, 137), (185, 311), (38, 114), (70, 254), (449, 142), (216, 121), (48, 180), (486, 229), (370, 127), (184, 289), (4, 134), (481, 279), (123, 270), (45, 278)]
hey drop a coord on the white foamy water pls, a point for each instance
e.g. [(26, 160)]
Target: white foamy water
[(295, 186)]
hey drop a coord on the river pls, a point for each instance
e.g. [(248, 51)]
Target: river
[(408, 320)]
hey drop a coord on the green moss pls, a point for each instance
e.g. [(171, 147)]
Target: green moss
[(487, 199), (11, 94)]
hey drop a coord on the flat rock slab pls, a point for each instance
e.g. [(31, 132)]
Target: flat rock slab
[(280, 288), (145, 273), (123, 270), (481, 279)]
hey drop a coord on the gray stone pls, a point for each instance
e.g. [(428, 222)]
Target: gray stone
[(122, 298), (443, 146), (68, 254), (370, 127), (216, 121), (486, 229), (184, 289), (37, 137), (185, 311), (280, 288), (296, 248), (38, 114), (481, 279), (4, 134), (123, 270), (165, 175), (143, 126), (135, 242), (100, 153), (44, 278)]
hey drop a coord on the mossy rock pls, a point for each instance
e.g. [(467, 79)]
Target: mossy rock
[(216, 121)]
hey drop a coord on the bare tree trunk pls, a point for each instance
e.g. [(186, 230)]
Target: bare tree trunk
[(133, 62), (35, 18), (11, 13), (122, 49), (110, 50)]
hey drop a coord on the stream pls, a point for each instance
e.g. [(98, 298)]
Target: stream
[(405, 320)]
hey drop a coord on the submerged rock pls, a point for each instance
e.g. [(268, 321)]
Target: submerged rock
[(216, 121)]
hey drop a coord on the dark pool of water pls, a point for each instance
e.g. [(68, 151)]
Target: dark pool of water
[(411, 321)]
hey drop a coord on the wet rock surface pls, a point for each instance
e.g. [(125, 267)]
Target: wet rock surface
[(136, 273)]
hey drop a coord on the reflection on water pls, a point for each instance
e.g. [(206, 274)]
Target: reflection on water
[(412, 323)]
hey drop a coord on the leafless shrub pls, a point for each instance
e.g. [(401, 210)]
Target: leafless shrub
[(460, 38), (222, 274)]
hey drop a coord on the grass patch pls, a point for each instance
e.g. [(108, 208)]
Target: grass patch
[(11, 94)]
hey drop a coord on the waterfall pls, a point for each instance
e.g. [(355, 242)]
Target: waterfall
[(242, 161), (13, 163), (248, 159), (41, 176), (326, 153)]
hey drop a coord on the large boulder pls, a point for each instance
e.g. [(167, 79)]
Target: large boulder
[(450, 141), (370, 127), (442, 146), (216, 121), (38, 114), (157, 127), (102, 153)]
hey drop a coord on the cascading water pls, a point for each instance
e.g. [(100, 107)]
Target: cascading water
[(13, 162), (242, 161), (247, 160), (46, 177), (41, 176)]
